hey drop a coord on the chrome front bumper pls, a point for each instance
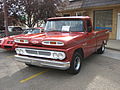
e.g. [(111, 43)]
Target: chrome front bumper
[(43, 62)]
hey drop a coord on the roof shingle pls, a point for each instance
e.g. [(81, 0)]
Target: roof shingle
[(89, 3)]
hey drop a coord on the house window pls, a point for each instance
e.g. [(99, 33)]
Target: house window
[(103, 20), (78, 14), (65, 15)]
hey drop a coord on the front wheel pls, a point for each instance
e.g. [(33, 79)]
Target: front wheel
[(75, 65)]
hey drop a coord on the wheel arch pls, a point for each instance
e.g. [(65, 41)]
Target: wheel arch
[(80, 50)]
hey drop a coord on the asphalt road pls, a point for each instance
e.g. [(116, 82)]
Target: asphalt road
[(98, 72)]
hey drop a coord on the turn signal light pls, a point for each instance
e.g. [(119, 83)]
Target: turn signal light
[(53, 43), (21, 40)]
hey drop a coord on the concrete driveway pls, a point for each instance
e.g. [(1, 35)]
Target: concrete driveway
[(98, 72)]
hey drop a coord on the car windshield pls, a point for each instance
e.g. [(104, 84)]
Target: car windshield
[(65, 25), (31, 31)]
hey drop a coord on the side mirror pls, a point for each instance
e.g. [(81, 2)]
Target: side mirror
[(89, 29)]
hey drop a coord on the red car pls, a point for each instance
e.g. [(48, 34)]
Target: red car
[(64, 44), (8, 42)]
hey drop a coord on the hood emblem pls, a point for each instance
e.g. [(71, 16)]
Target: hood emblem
[(34, 42)]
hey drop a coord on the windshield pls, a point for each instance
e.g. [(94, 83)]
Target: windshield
[(64, 25), (31, 31)]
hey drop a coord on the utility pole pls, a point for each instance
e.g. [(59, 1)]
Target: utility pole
[(5, 17)]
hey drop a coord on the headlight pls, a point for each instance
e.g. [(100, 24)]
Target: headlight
[(55, 55), (19, 51), (56, 43), (21, 41), (59, 55), (10, 42)]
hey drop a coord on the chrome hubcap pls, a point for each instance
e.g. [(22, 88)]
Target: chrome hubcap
[(77, 63), (103, 48)]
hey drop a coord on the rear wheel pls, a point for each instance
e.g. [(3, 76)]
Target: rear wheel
[(101, 50), (75, 65)]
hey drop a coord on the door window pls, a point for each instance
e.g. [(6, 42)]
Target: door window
[(88, 24)]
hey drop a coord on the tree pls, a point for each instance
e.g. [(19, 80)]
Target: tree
[(1, 20), (29, 12), (1, 15)]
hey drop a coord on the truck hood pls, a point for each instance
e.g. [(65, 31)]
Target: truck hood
[(52, 36)]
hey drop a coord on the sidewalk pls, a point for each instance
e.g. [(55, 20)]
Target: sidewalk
[(113, 44)]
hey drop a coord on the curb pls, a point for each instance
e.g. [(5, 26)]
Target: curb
[(113, 49)]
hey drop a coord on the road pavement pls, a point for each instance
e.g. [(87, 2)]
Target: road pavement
[(98, 72)]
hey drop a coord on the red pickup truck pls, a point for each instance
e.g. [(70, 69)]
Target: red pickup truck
[(64, 44)]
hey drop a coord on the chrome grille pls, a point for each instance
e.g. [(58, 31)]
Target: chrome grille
[(44, 53), (38, 52), (31, 52)]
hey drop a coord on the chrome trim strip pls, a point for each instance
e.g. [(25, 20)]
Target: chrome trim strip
[(43, 62)]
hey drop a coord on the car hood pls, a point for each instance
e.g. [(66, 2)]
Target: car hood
[(12, 37), (16, 36)]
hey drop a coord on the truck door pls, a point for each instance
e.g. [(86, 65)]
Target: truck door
[(90, 39)]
